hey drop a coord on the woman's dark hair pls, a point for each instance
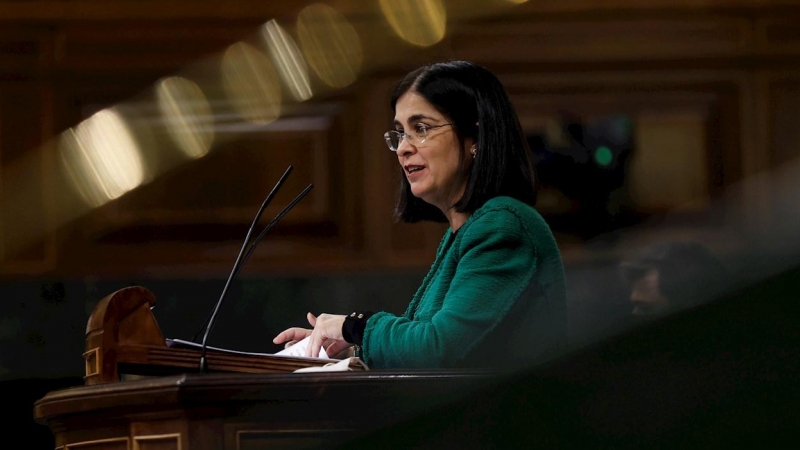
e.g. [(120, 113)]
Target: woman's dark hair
[(475, 102)]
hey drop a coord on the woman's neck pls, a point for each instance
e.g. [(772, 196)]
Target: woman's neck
[(456, 218)]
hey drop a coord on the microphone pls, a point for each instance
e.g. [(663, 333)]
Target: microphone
[(273, 222), (238, 261), (255, 243), (241, 258)]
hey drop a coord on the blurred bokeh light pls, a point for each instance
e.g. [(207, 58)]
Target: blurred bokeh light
[(251, 83), (419, 22), (330, 44), (101, 157), (187, 115), (288, 60)]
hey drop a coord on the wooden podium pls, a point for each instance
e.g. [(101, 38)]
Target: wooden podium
[(240, 402), (245, 411), (123, 337)]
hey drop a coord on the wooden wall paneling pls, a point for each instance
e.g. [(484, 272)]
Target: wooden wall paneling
[(79, 95), (198, 214), (349, 199), (143, 45), (784, 106), (778, 34), (321, 156), (156, 10), (98, 10), (101, 60), (624, 37), (652, 6), (671, 168), (25, 245), (28, 245), (725, 132), (377, 189), (25, 49), (75, 98)]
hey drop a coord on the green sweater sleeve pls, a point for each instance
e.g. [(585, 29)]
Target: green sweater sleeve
[(490, 262)]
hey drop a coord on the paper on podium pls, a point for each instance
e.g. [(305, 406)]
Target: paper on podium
[(341, 366), (299, 349)]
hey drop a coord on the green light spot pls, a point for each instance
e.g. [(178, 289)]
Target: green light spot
[(603, 155)]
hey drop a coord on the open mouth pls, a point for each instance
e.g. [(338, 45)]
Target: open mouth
[(410, 170)]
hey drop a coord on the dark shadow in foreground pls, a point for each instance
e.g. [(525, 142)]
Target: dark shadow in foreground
[(722, 375)]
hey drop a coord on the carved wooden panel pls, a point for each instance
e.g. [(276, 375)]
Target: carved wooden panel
[(189, 211), (205, 207)]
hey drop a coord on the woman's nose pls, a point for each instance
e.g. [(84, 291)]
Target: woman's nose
[(404, 147)]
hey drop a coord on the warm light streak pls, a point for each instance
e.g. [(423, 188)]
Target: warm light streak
[(251, 83), (288, 60), (419, 22), (187, 114), (330, 44), (102, 158)]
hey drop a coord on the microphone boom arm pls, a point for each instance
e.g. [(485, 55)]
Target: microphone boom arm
[(242, 257), (237, 263)]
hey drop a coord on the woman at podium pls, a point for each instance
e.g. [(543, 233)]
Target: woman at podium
[(495, 295)]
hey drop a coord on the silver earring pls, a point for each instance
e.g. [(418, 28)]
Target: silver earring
[(473, 150)]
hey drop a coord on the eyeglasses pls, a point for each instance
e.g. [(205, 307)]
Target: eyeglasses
[(417, 136)]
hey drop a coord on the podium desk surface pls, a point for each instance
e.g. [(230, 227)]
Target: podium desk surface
[(310, 408)]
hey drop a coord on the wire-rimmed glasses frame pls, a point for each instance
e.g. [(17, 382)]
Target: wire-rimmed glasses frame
[(418, 136)]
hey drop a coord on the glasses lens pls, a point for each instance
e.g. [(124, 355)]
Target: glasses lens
[(392, 140)]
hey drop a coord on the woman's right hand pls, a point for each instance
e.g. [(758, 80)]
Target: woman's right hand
[(328, 335), (291, 336)]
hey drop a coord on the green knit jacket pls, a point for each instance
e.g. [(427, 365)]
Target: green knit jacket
[(495, 297)]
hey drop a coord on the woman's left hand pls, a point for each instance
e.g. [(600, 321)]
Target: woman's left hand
[(327, 329)]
